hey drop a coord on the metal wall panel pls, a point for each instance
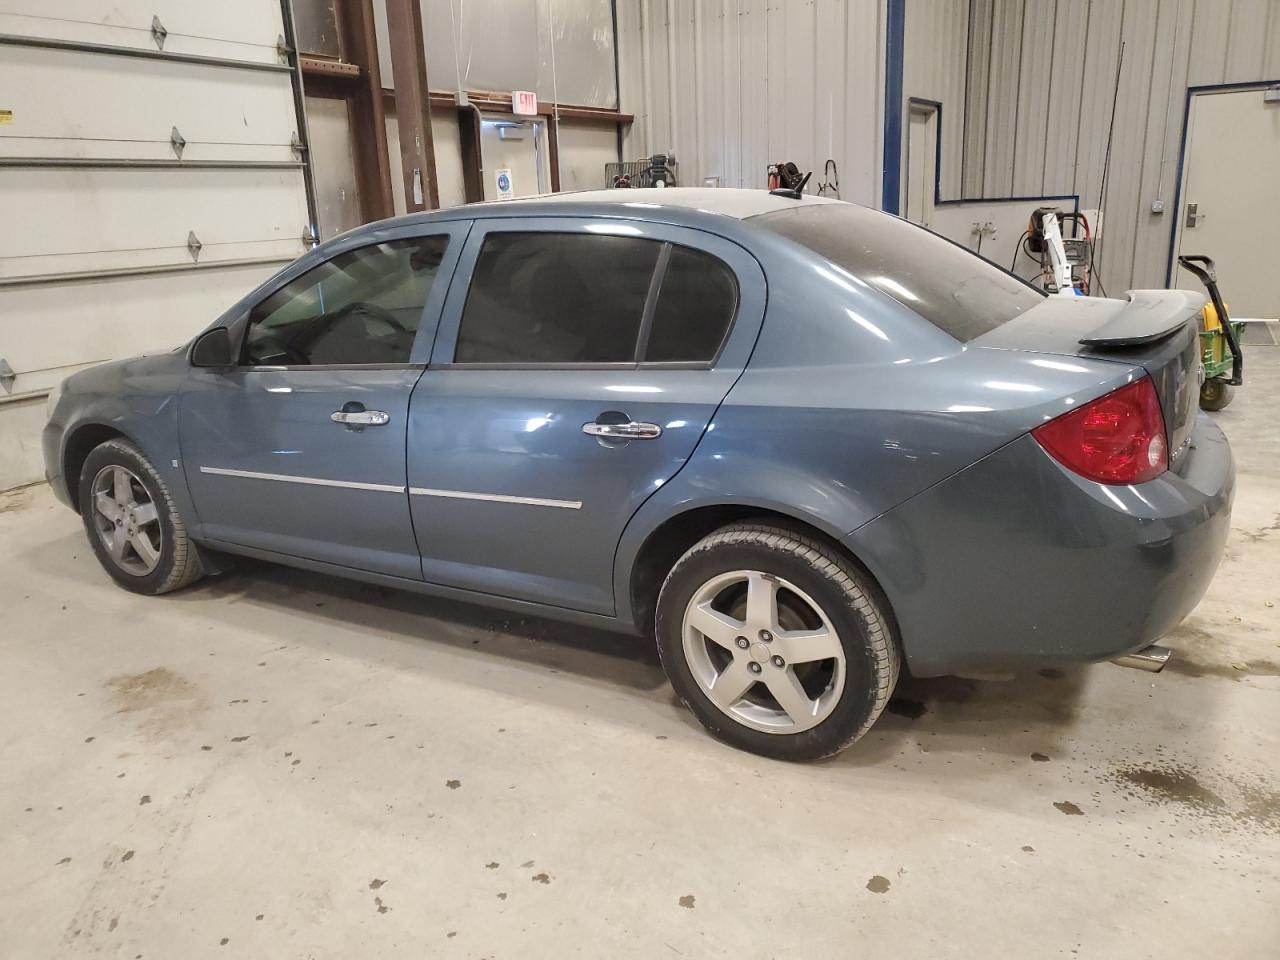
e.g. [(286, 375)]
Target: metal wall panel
[(1071, 22), (1002, 97), (1031, 120), (977, 87), (731, 86), (585, 147), (1042, 130), (938, 73)]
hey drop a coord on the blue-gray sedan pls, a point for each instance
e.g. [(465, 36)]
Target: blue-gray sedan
[(804, 444)]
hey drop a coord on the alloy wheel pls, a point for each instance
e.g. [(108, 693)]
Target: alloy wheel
[(763, 651), (127, 520)]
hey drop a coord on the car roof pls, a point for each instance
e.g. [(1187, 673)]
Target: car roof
[(689, 205)]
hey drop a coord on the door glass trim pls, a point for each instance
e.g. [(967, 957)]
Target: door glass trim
[(624, 366), (651, 301), (319, 367)]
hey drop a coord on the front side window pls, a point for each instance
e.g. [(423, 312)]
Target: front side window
[(957, 291), (361, 307)]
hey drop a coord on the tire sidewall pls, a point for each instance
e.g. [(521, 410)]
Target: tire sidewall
[(119, 453), (857, 706)]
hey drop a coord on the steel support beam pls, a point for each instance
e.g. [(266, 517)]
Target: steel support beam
[(413, 105), (368, 119), (312, 226)]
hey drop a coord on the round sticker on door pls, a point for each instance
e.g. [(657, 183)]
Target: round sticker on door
[(506, 190)]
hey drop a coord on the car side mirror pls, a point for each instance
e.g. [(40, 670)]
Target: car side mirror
[(213, 349)]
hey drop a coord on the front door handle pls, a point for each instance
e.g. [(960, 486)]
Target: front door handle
[(630, 430), (355, 415)]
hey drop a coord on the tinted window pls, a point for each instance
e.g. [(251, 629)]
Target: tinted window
[(363, 306), (556, 298), (950, 287), (695, 307)]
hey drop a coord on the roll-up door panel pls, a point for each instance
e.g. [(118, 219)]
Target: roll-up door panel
[(66, 103), (88, 220), (51, 330), (235, 29)]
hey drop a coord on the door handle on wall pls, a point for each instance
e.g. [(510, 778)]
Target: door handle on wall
[(1194, 215)]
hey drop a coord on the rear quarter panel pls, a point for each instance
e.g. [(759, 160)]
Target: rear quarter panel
[(852, 404)]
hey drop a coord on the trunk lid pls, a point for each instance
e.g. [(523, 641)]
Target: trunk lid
[(1158, 330)]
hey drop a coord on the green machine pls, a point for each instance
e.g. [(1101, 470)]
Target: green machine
[(1219, 340)]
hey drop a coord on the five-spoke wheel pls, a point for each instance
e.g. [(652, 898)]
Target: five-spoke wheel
[(132, 522), (763, 651), (127, 520), (776, 640)]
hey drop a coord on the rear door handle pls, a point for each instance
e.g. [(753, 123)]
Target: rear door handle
[(361, 418), (631, 430)]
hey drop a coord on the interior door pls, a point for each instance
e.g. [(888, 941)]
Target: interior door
[(1231, 197), (300, 448), (922, 163), (572, 377), (514, 146)]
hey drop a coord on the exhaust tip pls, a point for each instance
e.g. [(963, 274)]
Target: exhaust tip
[(1151, 659)]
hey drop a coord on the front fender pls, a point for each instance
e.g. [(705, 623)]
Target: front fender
[(136, 398)]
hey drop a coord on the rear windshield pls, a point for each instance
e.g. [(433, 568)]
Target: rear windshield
[(955, 290)]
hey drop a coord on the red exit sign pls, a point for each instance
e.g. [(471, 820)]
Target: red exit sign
[(524, 101)]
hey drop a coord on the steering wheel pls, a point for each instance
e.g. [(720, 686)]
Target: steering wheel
[(373, 311)]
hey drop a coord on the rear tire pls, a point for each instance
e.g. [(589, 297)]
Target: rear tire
[(1214, 395), (132, 522), (778, 643)]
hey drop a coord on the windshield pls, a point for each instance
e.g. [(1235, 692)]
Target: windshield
[(954, 289)]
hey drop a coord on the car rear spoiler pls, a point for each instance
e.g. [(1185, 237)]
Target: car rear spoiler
[(1149, 315)]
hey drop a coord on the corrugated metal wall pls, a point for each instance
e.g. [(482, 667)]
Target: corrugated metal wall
[(940, 77), (1041, 76), (732, 85)]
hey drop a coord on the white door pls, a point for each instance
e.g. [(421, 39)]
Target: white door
[(517, 148), (922, 163), (1231, 197)]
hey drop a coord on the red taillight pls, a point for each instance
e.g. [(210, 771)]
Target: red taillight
[(1118, 438)]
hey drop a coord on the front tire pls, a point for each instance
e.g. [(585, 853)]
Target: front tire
[(132, 522), (779, 644)]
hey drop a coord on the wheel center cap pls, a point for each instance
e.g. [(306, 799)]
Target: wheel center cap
[(759, 652)]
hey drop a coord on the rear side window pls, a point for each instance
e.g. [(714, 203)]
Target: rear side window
[(955, 290), (361, 307), (695, 306), (556, 298)]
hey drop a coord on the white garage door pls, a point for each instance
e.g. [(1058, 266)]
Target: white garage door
[(149, 177)]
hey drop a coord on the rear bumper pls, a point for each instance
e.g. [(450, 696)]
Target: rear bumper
[(1015, 561)]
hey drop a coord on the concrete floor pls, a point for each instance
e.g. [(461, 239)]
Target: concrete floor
[(279, 764)]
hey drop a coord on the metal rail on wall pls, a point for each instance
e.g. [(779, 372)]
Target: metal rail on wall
[(289, 50)]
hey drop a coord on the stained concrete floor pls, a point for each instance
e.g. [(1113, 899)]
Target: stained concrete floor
[(279, 764)]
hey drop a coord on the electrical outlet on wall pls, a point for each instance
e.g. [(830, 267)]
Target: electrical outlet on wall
[(1157, 206)]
